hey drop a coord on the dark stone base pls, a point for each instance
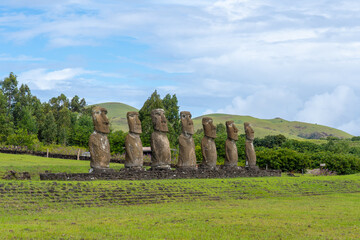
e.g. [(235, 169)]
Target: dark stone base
[(134, 174)]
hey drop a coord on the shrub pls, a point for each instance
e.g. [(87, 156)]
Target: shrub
[(21, 137)]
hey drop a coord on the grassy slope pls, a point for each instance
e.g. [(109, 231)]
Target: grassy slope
[(303, 207), (117, 114), (263, 127)]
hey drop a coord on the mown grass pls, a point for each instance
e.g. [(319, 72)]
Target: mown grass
[(35, 165), (305, 207), (314, 217)]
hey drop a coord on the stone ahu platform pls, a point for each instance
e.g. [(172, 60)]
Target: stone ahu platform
[(132, 174)]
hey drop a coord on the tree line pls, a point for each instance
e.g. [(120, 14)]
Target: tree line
[(25, 120)]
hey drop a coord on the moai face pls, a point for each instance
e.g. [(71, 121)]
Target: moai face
[(209, 128), (187, 123), (232, 131), (249, 131), (100, 120), (134, 122), (159, 120)]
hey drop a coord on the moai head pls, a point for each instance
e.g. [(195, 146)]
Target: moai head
[(249, 131), (232, 131), (159, 120), (100, 120), (186, 123), (209, 128), (134, 122)]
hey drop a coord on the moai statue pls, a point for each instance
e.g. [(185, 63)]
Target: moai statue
[(187, 156), (98, 143), (231, 152), (133, 145), (208, 147), (249, 146), (160, 146)]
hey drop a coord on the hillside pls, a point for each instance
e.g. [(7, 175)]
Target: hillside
[(117, 114), (263, 127)]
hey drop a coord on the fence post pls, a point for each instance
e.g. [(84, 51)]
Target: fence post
[(47, 152), (78, 155)]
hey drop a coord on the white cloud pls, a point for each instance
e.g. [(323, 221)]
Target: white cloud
[(43, 79), (20, 58), (265, 103), (331, 108)]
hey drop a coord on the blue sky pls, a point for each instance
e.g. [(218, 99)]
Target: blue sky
[(298, 60)]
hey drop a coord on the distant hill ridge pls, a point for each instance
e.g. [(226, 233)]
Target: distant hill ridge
[(262, 127)]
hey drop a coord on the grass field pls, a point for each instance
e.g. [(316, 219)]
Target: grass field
[(305, 207), (35, 165)]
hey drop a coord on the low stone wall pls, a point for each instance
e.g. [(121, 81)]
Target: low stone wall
[(131, 174)]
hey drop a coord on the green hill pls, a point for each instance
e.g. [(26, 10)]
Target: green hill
[(117, 114), (262, 127)]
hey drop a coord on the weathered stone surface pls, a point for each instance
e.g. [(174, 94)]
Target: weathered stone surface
[(187, 156), (208, 147), (249, 146), (231, 152), (133, 145), (98, 143), (160, 146)]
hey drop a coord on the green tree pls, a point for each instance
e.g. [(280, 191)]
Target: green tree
[(49, 129), (9, 88), (28, 121), (77, 105), (153, 102), (6, 126), (82, 131), (117, 142), (172, 115), (64, 125)]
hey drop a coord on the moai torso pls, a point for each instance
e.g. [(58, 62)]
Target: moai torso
[(231, 152), (133, 151), (160, 150), (249, 146), (98, 142), (187, 156), (160, 146), (99, 150), (208, 147), (133, 145)]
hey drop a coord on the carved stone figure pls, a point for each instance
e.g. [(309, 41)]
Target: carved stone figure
[(98, 143), (249, 146), (160, 146), (231, 152), (208, 147), (133, 145), (187, 156)]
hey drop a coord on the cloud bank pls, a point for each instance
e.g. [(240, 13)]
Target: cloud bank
[(263, 58)]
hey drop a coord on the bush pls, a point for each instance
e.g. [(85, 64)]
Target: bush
[(117, 142), (283, 159), (21, 137)]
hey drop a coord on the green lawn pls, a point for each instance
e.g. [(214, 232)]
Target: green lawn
[(334, 216), (304, 207), (36, 165)]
